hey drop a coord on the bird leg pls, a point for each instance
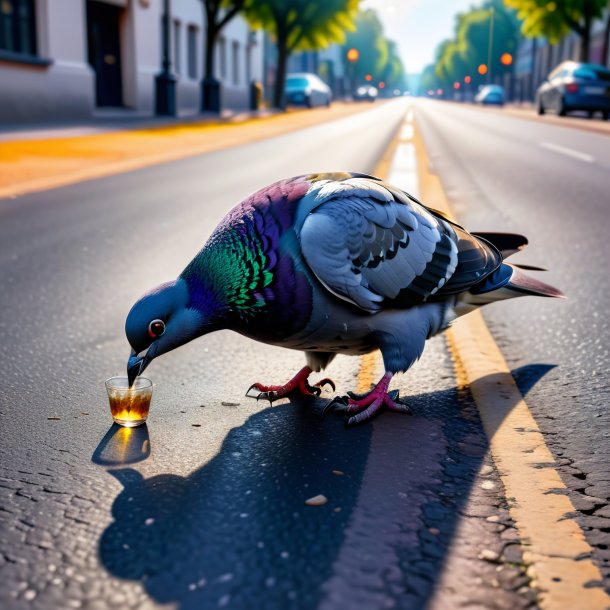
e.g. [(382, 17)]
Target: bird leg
[(366, 405), (299, 382)]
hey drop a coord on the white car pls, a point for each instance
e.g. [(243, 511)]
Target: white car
[(305, 89)]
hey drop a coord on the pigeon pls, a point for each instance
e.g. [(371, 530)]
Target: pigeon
[(331, 263)]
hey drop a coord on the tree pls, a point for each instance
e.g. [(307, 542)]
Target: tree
[(306, 25), (556, 18), (371, 44), (217, 14), (461, 56), (393, 74)]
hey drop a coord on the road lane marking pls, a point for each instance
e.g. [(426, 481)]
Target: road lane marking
[(554, 546), (570, 152)]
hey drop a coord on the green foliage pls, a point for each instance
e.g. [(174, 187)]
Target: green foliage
[(305, 25), (368, 38), (378, 56), (461, 56), (553, 19), (393, 73)]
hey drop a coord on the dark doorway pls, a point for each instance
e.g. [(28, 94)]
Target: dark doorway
[(104, 49)]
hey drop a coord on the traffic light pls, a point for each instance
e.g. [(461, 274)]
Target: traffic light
[(506, 59), (482, 69)]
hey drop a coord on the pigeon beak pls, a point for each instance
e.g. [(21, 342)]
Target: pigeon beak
[(138, 362)]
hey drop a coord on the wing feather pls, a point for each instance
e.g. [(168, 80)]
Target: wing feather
[(374, 246)]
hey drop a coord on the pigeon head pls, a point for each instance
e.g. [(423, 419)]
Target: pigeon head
[(159, 322)]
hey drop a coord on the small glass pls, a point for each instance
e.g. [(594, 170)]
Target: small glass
[(129, 405)]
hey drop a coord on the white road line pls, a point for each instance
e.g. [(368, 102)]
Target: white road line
[(570, 152)]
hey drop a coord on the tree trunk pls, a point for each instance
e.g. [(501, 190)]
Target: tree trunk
[(585, 44), (210, 86), (280, 77), (606, 48), (585, 35), (210, 51)]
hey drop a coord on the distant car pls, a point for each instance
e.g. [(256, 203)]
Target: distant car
[(491, 95), (575, 86), (305, 89), (367, 93)]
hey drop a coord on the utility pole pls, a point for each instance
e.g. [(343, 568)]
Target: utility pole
[(165, 81), (491, 42)]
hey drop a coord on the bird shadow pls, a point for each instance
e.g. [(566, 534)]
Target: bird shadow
[(237, 533)]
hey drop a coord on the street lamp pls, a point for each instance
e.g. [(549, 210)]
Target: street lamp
[(482, 69), (506, 59), (352, 56), (491, 38), (165, 81)]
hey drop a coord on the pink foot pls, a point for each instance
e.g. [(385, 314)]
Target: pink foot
[(299, 382), (367, 405)]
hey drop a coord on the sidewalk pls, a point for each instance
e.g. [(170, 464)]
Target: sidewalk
[(40, 159), (578, 121)]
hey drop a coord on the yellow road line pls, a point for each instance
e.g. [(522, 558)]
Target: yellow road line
[(555, 549), (368, 364)]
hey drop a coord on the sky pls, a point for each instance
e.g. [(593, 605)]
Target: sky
[(418, 26)]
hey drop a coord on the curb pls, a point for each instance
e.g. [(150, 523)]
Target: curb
[(28, 166)]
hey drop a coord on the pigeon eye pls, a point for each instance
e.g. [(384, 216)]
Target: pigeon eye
[(156, 328)]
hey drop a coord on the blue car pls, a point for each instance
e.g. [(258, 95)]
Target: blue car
[(575, 86), (491, 95)]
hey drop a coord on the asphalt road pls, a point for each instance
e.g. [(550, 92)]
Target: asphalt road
[(204, 507), (552, 184)]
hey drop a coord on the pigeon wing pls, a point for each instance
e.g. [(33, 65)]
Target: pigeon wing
[(372, 245)]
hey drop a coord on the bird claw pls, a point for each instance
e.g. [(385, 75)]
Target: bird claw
[(298, 383), (393, 394), (337, 404), (269, 395), (363, 407), (320, 384)]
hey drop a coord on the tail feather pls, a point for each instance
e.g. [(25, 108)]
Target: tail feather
[(524, 284), (507, 243), (507, 282)]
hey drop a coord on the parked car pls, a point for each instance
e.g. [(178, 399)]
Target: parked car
[(575, 86), (366, 93), (305, 89), (491, 95)]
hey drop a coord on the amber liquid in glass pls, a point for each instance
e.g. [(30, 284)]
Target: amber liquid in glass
[(128, 408)]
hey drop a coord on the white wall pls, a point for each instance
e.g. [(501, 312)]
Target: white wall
[(66, 88), (236, 91), (185, 14)]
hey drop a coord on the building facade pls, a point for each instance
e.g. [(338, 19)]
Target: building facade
[(71, 59)]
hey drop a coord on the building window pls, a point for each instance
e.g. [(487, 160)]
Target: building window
[(192, 51), (235, 62), (248, 59), (222, 55), (177, 62), (18, 26)]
